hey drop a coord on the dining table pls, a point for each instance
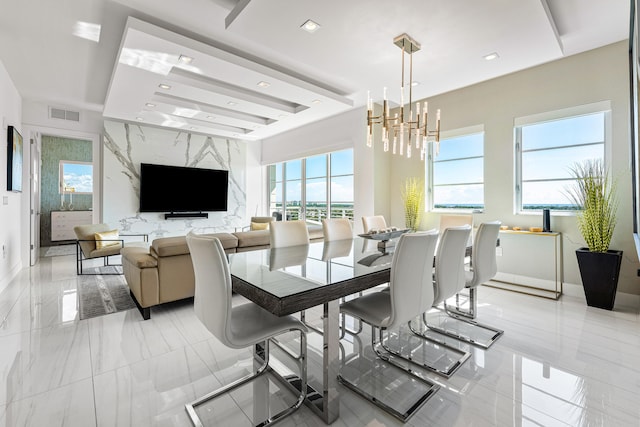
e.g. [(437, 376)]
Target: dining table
[(289, 280)]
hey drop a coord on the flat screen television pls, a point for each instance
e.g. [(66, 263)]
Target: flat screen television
[(182, 189)]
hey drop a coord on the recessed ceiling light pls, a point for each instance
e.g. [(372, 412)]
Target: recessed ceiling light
[(192, 128), (415, 83), (317, 101), (185, 59), (150, 105), (164, 86), (140, 119), (210, 117), (491, 56), (264, 84), (282, 116), (310, 26), (232, 103)]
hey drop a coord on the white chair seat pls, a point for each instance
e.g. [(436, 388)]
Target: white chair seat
[(251, 324), (371, 308)]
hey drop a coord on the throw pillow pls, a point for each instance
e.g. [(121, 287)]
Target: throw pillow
[(259, 226), (106, 239)]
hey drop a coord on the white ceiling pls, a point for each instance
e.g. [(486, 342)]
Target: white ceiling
[(311, 76)]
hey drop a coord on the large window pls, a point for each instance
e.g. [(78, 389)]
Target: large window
[(456, 178), (313, 188), (545, 153)]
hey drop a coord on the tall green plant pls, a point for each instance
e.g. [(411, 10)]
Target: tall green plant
[(413, 199), (595, 194)]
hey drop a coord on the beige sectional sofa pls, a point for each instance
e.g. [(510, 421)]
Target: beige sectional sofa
[(164, 272)]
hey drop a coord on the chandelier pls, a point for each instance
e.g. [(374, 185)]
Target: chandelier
[(403, 130)]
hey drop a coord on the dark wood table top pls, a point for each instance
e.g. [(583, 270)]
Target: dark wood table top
[(288, 280)]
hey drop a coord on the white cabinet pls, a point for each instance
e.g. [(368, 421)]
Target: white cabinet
[(62, 223)]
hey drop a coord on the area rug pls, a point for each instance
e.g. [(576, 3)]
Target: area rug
[(100, 295), (58, 250)]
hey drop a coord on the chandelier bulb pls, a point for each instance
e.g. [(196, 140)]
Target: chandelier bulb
[(409, 151), (386, 146), (394, 145), (369, 140)]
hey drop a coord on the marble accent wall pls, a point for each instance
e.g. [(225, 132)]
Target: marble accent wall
[(55, 149), (126, 146)]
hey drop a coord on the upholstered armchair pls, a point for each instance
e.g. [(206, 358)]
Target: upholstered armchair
[(96, 241)]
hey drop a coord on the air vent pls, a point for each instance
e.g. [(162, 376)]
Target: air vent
[(59, 113)]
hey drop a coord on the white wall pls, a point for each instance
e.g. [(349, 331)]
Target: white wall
[(335, 133), (12, 223), (593, 76)]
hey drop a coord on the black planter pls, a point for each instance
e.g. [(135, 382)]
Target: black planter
[(599, 272)]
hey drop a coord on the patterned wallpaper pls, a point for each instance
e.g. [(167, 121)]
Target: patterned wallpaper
[(128, 145), (55, 149)]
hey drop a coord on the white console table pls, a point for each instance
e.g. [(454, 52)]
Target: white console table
[(530, 263), (62, 223)]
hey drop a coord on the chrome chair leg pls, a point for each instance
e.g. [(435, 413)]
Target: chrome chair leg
[(402, 416), (190, 407), (464, 355), (466, 318)]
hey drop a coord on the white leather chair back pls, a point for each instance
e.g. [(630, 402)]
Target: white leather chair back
[(376, 222), (411, 284), (337, 229), (483, 256), (449, 277), (288, 233), (457, 220), (212, 298)]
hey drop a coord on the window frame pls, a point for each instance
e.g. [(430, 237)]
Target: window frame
[(303, 180), (603, 107), (430, 168)]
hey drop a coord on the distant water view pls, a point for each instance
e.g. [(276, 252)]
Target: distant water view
[(316, 211)]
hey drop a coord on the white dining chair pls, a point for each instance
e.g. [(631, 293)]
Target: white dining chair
[(337, 229), (375, 222), (445, 281), (483, 268), (288, 233), (284, 234), (410, 294), (457, 220), (238, 326)]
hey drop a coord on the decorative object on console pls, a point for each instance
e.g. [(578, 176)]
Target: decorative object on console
[(546, 220), (413, 198), (399, 124), (595, 195)]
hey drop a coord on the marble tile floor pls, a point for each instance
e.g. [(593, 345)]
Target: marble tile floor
[(560, 363)]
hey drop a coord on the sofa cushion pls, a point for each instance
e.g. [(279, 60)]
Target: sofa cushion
[(172, 246), (259, 226), (252, 238), (228, 240), (139, 257)]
